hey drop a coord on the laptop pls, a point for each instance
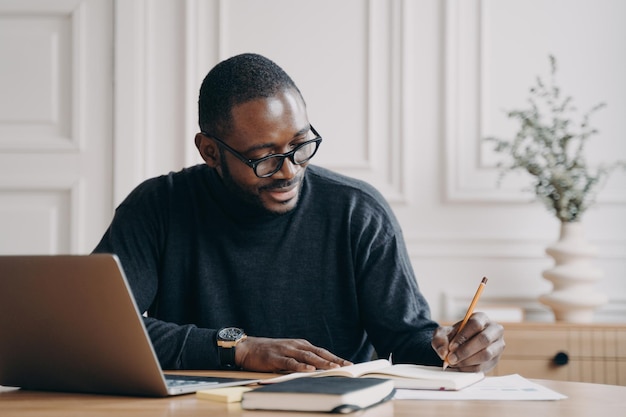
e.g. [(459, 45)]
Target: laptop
[(70, 323)]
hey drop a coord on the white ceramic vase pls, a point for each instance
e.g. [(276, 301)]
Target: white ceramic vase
[(573, 297)]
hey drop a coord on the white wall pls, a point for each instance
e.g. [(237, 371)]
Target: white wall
[(402, 91), (56, 124)]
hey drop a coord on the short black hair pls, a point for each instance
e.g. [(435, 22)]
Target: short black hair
[(234, 81)]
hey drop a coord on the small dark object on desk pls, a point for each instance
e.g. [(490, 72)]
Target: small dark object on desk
[(331, 394)]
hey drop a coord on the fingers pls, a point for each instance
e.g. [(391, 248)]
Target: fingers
[(477, 346), (441, 340), (277, 355), (321, 358)]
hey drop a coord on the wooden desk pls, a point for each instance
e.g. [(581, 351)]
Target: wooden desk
[(585, 400)]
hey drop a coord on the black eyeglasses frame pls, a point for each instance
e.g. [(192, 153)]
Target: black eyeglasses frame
[(254, 163)]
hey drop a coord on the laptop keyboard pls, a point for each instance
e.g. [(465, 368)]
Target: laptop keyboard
[(187, 380)]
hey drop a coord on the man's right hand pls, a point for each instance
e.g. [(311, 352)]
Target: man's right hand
[(284, 355)]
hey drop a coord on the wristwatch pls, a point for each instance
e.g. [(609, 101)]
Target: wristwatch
[(227, 339)]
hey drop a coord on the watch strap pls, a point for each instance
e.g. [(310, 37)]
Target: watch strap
[(227, 340), (227, 357)]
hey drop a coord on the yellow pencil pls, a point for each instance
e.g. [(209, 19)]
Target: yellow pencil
[(468, 314)]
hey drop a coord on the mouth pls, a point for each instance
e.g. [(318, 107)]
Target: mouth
[(283, 194), (283, 191)]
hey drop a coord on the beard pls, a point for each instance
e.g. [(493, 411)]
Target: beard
[(251, 195)]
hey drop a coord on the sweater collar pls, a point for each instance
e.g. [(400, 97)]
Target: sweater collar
[(241, 211)]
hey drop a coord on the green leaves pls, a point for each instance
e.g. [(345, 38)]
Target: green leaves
[(549, 145)]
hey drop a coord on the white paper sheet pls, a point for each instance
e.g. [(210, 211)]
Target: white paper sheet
[(506, 388)]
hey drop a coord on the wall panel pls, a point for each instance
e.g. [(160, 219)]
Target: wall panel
[(402, 91), (55, 124), (35, 220)]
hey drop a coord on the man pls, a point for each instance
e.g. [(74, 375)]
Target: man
[(310, 264)]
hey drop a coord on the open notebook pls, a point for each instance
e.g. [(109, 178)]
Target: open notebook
[(70, 323), (405, 376)]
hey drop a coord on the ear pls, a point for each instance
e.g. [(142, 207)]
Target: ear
[(208, 150)]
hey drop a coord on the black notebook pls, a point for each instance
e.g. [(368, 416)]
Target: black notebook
[(333, 394)]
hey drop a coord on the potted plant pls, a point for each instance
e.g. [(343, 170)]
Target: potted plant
[(549, 145)]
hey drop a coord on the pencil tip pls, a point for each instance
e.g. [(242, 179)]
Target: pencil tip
[(484, 280)]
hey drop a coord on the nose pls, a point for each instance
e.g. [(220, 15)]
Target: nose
[(287, 171)]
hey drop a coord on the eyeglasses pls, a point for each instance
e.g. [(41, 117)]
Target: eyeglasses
[(271, 164)]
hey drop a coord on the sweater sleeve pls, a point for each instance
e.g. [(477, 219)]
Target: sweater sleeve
[(395, 312), (397, 315), (137, 235)]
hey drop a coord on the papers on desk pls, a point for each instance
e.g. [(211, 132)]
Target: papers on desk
[(506, 388)]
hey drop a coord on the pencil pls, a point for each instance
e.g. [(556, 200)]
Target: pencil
[(468, 314)]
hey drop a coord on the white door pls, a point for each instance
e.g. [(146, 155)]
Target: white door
[(56, 94)]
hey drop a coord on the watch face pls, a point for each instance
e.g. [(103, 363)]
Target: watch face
[(230, 333)]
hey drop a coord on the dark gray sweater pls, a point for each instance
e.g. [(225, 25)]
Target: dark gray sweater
[(333, 271)]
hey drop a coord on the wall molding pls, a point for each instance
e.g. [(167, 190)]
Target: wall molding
[(70, 192), (130, 101), (471, 175), (454, 307), (468, 178), (463, 247), (386, 51), (64, 130)]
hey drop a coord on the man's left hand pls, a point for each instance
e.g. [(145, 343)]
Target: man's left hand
[(477, 347)]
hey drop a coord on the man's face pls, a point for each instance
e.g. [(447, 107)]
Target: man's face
[(263, 127)]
